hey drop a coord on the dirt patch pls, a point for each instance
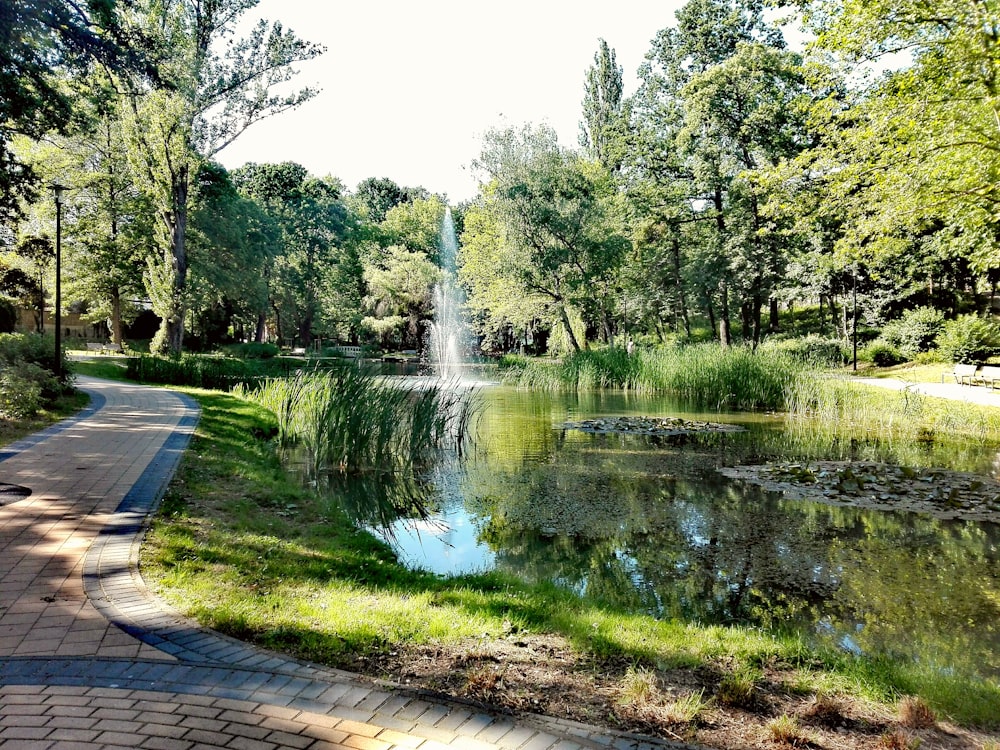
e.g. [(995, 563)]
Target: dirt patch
[(937, 492), (541, 674)]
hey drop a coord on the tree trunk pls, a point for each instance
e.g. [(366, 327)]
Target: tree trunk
[(260, 330), (116, 316), (174, 321), (569, 328), (679, 284), (710, 311), (725, 336), (772, 323)]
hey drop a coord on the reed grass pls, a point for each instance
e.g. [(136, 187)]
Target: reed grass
[(845, 405), (703, 375), (351, 420)]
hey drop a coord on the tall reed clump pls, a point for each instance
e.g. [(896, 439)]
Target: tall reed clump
[(704, 375), (837, 401), (350, 420)]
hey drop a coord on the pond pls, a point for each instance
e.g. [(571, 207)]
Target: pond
[(647, 523)]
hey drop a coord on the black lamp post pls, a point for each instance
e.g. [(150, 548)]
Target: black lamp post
[(854, 327), (57, 192)]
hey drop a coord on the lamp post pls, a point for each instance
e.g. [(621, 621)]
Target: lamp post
[(854, 327), (57, 192)]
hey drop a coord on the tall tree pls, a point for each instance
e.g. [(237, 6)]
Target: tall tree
[(557, 213), (42, 44), (602, 128), (910, 155), (684, 158), (315, 275), (212, 87)]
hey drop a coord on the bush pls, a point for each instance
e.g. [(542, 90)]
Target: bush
[(915, 332), (969, 339), (882, 353), (252, 350), (811, 349), (36, 349), (21, 388), (201, 371)]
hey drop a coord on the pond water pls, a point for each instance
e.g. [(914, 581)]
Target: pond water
[(648, 524)]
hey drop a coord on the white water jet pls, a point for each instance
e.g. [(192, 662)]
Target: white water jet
[(448, 339)]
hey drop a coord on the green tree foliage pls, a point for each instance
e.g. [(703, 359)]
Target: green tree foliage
[(43, 44), (602, 128), (375, 196), (907, 155), (314, 275), (415, 225), (399, 296), (558, 217), (211, 87)]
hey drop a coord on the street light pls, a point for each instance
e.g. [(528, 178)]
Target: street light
[(57, 192), (854, 328)]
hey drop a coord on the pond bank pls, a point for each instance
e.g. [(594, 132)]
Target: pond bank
[(972, 394)]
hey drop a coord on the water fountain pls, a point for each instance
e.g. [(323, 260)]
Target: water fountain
[(448, 337)]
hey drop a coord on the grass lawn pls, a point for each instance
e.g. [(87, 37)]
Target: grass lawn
[(243, 548)]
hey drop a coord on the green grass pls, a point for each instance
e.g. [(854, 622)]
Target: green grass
[(351, 420), (246, 550)]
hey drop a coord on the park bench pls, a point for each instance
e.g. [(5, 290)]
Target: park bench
[(95, 346), (987, 375), (964, 374), (298, 351)]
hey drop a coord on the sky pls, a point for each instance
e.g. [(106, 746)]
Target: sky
[(409, 87)]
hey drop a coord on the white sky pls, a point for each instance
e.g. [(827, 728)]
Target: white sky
[(410, 86)]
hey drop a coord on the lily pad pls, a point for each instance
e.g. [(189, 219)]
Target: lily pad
[(939, 492), (660, 426)]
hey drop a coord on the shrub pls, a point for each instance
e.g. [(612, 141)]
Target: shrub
[(915, 332), (252, 350), (8, 316), (811, 349), (969, 339), (881, 353), (21, 387), (200, 371), (36, 349)]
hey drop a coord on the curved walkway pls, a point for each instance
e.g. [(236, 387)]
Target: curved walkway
[(88, 658)]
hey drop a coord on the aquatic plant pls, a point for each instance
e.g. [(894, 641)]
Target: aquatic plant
[(846, 406), (350, 420), (703, 375)]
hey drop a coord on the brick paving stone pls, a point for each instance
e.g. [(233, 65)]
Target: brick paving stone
[(365, 743)]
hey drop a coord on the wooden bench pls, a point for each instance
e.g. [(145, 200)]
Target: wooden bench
[(987, 375), (94, 346), (964, 374)]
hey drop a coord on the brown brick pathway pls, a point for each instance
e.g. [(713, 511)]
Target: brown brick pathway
[(89, 659)]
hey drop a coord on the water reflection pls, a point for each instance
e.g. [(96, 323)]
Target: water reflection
[(648, 525)]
